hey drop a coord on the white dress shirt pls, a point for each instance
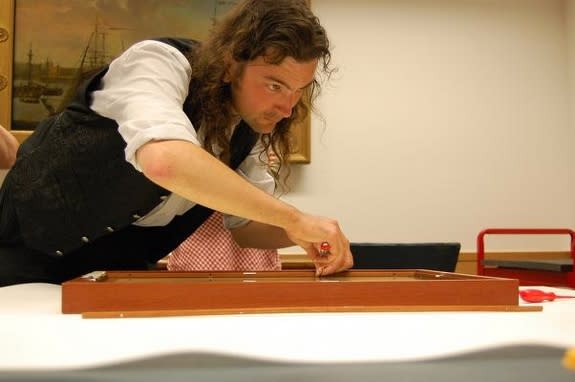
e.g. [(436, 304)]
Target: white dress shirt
[(143, 91)]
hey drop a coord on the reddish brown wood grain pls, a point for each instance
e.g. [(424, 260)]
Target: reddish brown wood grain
[(291, 290)]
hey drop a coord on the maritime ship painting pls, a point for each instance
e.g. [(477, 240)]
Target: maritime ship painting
[(58, 44)]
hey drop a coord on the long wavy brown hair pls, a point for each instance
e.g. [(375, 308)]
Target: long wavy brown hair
[(273, 29)]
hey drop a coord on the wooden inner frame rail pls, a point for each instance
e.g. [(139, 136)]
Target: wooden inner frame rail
[(162, 293)]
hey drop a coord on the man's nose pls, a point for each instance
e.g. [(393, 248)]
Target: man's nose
[(285, 107)]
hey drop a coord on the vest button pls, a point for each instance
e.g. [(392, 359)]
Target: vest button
[(109, 229), (85, 239), (59, 253), (136, 216)]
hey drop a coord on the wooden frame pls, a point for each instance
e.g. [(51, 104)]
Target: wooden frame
[(155, 293), (302, 146)]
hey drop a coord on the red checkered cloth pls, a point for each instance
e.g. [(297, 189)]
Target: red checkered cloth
[(212, 248)]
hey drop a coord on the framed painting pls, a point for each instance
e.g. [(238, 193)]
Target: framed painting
[(45, 45)]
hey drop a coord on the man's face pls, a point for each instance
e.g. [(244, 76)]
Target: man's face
[(264, 93)]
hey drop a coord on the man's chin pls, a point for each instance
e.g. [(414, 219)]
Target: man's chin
[(262, 128)]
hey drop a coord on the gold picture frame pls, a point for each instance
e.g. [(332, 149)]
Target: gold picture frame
[(8, 9)]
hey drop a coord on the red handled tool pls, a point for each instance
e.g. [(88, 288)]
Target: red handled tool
[(324, 248), (536, 295)]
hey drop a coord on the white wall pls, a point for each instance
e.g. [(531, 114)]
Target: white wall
[(446, 117), (570, 27)]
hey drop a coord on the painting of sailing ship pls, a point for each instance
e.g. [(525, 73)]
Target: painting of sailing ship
[(57, 43)]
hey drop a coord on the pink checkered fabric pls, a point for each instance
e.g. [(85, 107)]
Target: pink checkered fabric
[(212, 248)]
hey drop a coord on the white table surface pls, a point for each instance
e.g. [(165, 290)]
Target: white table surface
[(35, 335)]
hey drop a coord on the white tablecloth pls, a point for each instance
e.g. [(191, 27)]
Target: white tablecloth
[(35, 335)]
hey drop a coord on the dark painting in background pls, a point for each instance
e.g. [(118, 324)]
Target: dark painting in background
[(56, 41)]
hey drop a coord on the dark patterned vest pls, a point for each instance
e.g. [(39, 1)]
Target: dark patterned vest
[(71, 183)]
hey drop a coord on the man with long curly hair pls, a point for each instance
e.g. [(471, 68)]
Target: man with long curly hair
[(153, 143)]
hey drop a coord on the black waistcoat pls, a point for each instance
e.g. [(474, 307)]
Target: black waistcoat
[(71, 184)]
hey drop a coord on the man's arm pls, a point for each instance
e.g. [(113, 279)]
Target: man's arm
[(260, 235), (191, 172)]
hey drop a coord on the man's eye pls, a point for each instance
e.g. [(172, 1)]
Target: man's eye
[(275, 87)]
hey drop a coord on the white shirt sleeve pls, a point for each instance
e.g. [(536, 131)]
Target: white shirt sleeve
[(144, 91)]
